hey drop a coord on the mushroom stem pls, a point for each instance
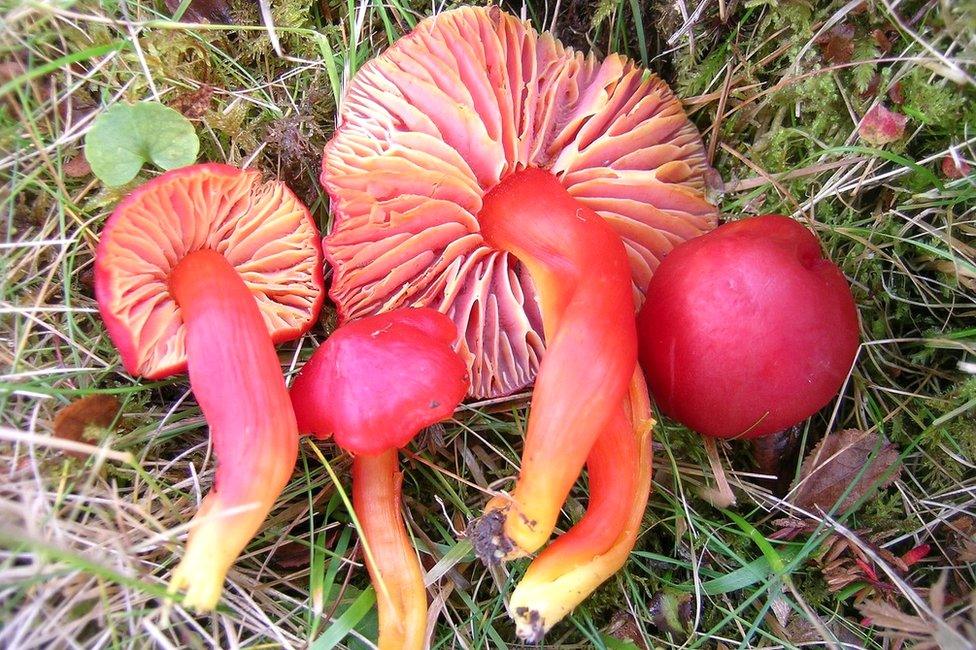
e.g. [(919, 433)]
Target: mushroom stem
[(390, 558), (236, 378), (580, 269), (578, 562)]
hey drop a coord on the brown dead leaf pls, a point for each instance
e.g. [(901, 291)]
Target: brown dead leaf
[(11, 70), (624, 626), (671, 612), (883, 39), (198, 11), (835, 463), (77, 167), (895, 93), (789, 528), (837, 45), (962, 539), (776, 454), (73, 420), (873, 86), (802, 631), (933, 630), (292, 555), (193, 103)]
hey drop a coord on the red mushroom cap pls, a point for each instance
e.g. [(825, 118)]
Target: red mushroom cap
[(261, 229), (431, 125), (747, 330), (376, 382)]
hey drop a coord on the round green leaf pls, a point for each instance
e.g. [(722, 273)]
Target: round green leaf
[(127, 135)]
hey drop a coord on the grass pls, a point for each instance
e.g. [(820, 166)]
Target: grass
[(777, 90)]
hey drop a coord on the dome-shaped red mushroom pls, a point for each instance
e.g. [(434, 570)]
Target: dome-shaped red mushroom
[(469, 97), (748, 330), (374, 384), (204, 268)]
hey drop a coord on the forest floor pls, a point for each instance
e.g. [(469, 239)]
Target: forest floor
[(779, 89)]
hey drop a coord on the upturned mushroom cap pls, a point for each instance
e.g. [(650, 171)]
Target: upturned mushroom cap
[(430, 126), (376, 382), (262, 229)]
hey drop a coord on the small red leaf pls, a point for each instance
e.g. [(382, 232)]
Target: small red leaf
[(867, 569), (955, 170), (881, 126), (916, 555)]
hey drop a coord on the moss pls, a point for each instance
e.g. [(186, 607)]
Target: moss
[(946, 445), (174, 55), (794, 15), (931, 100), (238, 126), (813, 587), (287, 15), (604, 9), (884, 511), (682, 441), (694, 77), (863, 74)]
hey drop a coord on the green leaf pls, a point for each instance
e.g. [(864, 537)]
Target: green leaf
[(128, 135), (347, 621), (613, 643)]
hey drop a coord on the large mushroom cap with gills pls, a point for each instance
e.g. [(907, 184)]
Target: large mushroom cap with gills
[(261, 229), (430, 126)]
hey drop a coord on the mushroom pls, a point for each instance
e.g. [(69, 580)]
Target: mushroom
[(428, 131), (579, 268), (204, 269), (374, 384), (586, 406), (466, 99), (747, 330), (579, 561)]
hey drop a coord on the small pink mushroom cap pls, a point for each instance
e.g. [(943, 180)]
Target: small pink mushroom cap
[(376, 382), (469, 97)]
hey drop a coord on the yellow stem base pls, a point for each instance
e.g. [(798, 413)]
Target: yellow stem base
[(540, 600)]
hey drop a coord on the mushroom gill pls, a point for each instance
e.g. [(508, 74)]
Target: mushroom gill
[(429, 127)]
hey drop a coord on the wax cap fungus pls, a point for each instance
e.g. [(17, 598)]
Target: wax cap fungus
[(435, 122), (261, 229), (378, 381)]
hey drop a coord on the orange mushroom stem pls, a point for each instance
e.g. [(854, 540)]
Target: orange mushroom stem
[(580, 270), (391, 561), (576, 563), (374, 384), (236, 378), (204, 269)]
